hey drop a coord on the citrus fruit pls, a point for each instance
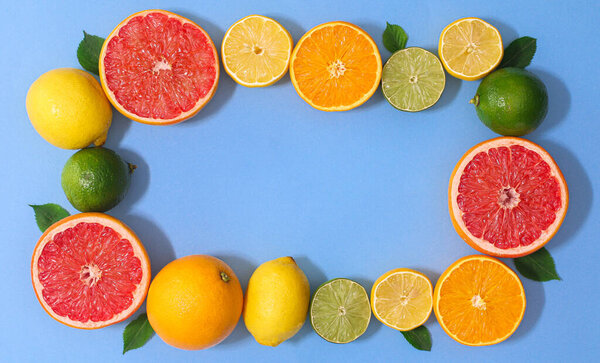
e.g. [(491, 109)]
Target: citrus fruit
[(96, 179), (511, 101), (340, 311), (507, 197), (402, 299), (470, 48), (68, 108), (194, 302), (335, 66), (256, 51), (276, 301), (89, 271), (478, 300), (158, 68), (413, 79)]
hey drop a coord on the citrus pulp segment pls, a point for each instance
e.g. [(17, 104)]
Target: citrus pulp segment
[(478, 300), (340, 311), (413, 79), (89, 271), (507, 197), (335, 66), (470, 48), (256, 51), (159, 68), (402, 299)]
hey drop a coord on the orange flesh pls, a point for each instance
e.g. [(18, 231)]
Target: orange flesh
[(480, 302), (336, 66)]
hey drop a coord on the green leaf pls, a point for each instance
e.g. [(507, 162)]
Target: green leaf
[(394, 38), (419, 338), (88, 52), (137, 333), (48, 214), (538, 266), (519, 53)]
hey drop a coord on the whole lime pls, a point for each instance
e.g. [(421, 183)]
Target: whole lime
[(511, 101), (96, 179)]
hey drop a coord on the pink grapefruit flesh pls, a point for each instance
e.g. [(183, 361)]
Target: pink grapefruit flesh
[(157, 67), (507, 197), (90, 271)]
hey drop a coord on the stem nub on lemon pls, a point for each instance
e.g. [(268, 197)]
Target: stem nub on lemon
[(340, 311), (276, 301), (413, 79), (68, 108), (96, 179)]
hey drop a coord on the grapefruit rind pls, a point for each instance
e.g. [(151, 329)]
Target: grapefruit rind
[(153, 121), (358, 102), (448, 272), (482, 245), (386, 276), (69, 222)]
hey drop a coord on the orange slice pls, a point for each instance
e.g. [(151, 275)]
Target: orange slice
[(402, 299), (335, 66), (470, 48), (256, 51), (478, 300)]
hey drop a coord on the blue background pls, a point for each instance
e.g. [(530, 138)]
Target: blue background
[(259, 174)]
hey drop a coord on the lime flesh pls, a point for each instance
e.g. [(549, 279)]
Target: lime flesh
[(413, 79), (340, 311)]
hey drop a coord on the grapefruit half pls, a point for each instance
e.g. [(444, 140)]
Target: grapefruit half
[(507, 197), (89, 271), (158, 68)]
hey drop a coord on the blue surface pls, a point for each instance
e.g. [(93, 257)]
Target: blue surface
[(258, 174)]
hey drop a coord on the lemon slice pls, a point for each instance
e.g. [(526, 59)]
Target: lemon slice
[(413, 79), (340, 311), (402, 299), (470, 48), (256, 51)]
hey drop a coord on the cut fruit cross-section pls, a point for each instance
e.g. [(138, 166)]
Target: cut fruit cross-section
[(470, 48), (413, 79), (402, 299), (256, 51), (158, 68), (478, 300), (89, 271), (507, 197), (340, 311), (335, 66)]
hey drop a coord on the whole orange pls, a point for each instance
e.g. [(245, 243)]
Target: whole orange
[(194, 302)]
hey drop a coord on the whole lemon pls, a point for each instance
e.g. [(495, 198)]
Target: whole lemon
[(276, 301), (68, 108), (194, 302)]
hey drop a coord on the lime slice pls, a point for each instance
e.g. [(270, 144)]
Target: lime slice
[(340, 311), (413, 79)]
